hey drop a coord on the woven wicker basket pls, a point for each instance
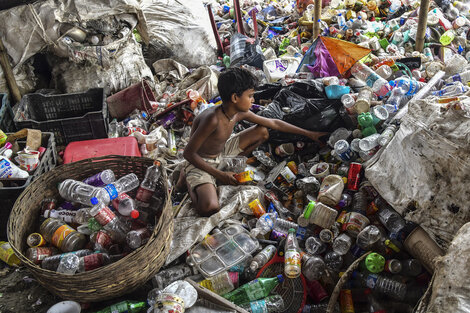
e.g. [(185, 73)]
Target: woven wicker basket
[(103, 283)]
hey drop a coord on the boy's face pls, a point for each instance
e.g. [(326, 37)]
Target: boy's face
[(244, 102)]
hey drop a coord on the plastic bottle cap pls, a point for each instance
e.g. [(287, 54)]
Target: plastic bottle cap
[(280, 278), (291, 230), (157, 163), (135, 214), (367, 291), (94, 201)]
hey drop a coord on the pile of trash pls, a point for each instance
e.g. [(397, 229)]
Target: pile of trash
[(355, 223)]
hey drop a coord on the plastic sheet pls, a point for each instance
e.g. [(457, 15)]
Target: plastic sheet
[(425, 165)]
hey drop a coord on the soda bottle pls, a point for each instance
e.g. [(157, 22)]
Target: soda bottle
[(342, 244), (148, 185), (254, 290), (292, 264), (313, 267), (125, 307), (101, 240), (62, 235), (137, 238), (101, 179), (52, 262), (269, 304), (38, 254), (92, 261), (262, 257)]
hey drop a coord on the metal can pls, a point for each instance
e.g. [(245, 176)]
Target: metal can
[(354, 176)]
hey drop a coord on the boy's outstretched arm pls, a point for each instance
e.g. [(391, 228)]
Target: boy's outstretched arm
[(206, 127), (281, 126)]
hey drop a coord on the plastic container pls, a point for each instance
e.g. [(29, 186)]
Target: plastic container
[(13, 187), (223, 250), (276, 69), (6, 115), (62, 235), (336, 91), (72, 117), (81, 150)]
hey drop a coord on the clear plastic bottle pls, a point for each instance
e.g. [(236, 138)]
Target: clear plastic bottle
[(52, 262), (379, 85), (394, 101), (172, 274), (292, 264), (387, 135), (124, 204), (359, 202), (314, 246), (80, 192), (148, 185), (341, 21), (368, 237), (38, 254), (410, 86), (342, 244), (349, 101), (368, 143), (137, 238), (411, 267), (334, 260), (387, 286), (82, 216), (262, 257), (264, 224), (283, 226), (106, 218), (319, 308), (453, 89), (463, 77), (62, 235), (101, 179), (92, 261), (66, 216), (224, 282), (113, 129), (313, 267), (269, 304), (364, 98), (391, 219)]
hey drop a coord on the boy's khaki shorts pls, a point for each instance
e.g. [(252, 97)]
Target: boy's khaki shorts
[(196, 176)]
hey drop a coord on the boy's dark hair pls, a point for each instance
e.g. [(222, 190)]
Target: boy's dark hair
[(235, 81)]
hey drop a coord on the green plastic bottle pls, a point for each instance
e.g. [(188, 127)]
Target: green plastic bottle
[(125, 307), (447, 37), (254, 290)]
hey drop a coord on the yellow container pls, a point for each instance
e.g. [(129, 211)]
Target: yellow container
[(7, 254)]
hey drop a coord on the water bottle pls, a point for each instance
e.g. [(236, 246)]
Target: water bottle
[(394, 101), (463, 77), (364, 98), (368, 237), (62, 235), (342, 244), (410, 86), (349, 101), (386, 286), (313, 267), (454, 89), (269, 304), (82, 216), (9, 170), (125, 205), (283, 226), (148, 185), (292, 264), (314, 246), (262, 258), (264, 224), (411, 267), (368, 143), (379, 85), (172, 274), (101, 179), (334, 260), (359, 203), (66, 216), (341, 21), (137, 238), (387, 135), (106, 218), (384, 71), (391, 220)]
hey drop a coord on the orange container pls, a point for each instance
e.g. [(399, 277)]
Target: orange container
[(257, 208)]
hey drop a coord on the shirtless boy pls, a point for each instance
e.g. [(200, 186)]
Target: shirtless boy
[(211, 138)]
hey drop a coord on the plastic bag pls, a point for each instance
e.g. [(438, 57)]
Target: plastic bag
[(244, 50), (311, 114)]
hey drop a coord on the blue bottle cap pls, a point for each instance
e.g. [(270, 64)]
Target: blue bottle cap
[(280, 278), (94, 201), (359, 17), (144, 115)]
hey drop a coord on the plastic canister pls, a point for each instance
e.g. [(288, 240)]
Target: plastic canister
[(323, 216), (331, 190)]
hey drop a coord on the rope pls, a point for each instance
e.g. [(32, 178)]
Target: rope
[(38, 21)]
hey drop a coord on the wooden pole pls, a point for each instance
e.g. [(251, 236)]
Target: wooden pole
[(422, 23), (316, 17), (6, 66)]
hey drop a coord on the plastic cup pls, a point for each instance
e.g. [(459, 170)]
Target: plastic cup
[(320, 170)]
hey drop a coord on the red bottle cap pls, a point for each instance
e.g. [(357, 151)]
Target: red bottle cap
[(135, 214)]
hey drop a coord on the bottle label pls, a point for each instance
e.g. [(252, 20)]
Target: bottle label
[(144, 195), (371, 281), (259, 306), (5, 169), (60, 234), (119, 198), (103, 239), (104, 216), (292, 257), (92, 261), (111, 190), (7, 254), (95, 180)]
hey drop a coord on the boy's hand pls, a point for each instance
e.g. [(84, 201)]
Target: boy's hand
[(316, 135), (228, 178)]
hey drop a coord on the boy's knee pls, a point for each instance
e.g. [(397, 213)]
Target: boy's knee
[(209, 208), (264, 133)]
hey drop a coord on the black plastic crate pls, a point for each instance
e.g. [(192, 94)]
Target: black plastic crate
[(71, 117), (12, 188), (6, 115)]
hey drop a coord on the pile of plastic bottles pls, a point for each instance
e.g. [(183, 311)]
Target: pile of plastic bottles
[(98, 223)]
